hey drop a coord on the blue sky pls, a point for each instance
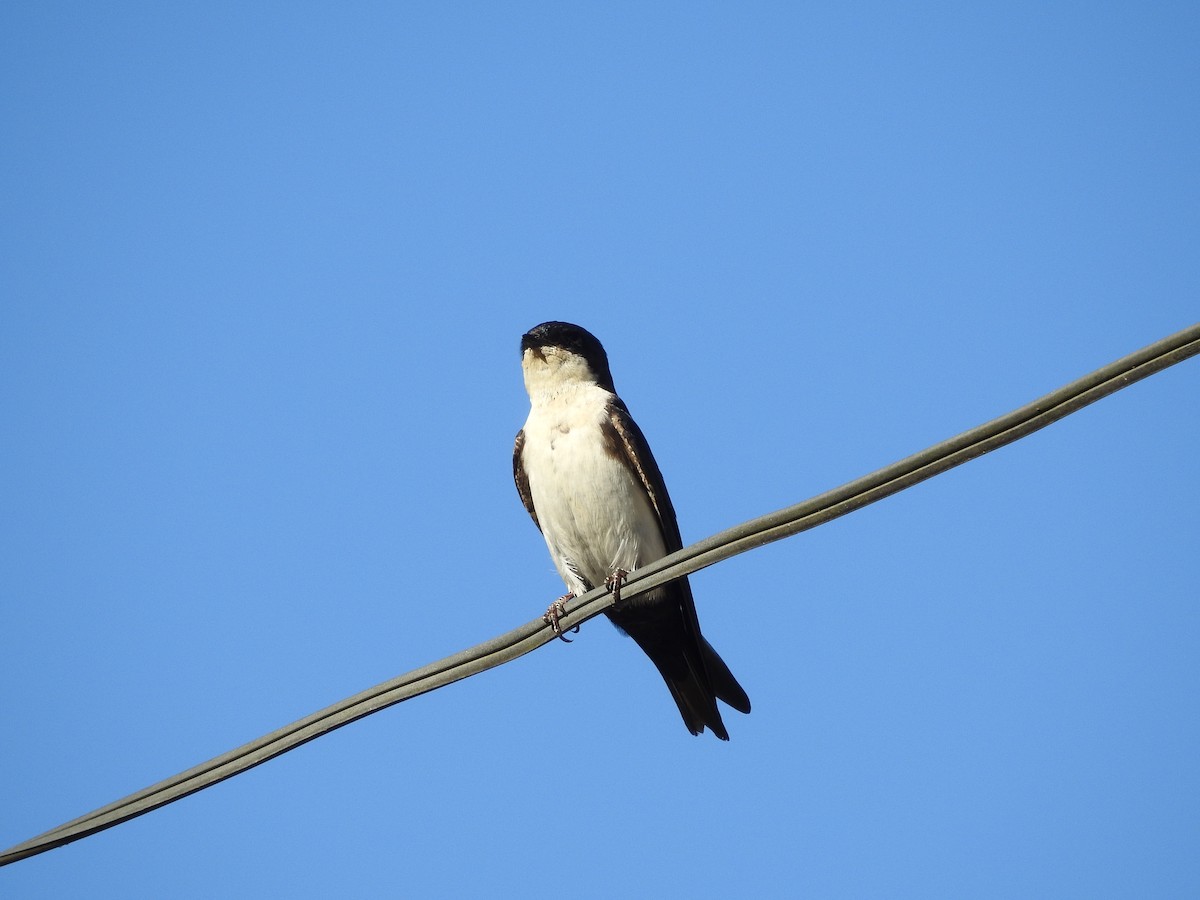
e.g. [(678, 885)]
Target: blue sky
[(265, 269)]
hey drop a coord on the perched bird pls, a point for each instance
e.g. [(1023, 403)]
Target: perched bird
[(587, 477)]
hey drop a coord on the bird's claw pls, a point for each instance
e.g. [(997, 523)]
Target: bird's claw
[(557, 610), (614, 582)]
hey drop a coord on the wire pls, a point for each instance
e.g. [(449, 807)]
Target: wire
[(755, 533)]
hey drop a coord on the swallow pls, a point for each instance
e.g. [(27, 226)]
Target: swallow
[(589, 481)]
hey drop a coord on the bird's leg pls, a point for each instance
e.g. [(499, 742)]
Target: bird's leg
[(557, 610), (614, 582)]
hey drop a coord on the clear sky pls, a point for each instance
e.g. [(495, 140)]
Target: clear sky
[(264, 269)]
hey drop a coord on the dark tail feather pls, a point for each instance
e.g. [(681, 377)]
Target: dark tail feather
[(695, 675), (689, 687), (723, 682)]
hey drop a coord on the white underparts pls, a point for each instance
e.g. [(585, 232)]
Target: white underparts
[(593, 511)]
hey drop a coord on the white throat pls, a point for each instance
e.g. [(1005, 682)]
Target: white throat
[(555, 373)]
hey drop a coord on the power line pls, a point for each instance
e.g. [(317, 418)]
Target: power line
[(763, 530)]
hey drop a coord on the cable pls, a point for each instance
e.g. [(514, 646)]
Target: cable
[(755, 533)]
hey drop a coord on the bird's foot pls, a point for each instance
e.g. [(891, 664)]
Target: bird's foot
[(557, 610), (614, 582)]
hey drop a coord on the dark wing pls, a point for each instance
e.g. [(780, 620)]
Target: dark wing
[(522, 479), (669, 632), (625, 441)]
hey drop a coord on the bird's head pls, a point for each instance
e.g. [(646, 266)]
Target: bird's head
[(559, 354)]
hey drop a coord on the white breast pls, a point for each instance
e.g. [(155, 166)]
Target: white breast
[(592, 510)]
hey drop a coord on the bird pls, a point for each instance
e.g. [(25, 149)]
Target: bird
[(587, 478)]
